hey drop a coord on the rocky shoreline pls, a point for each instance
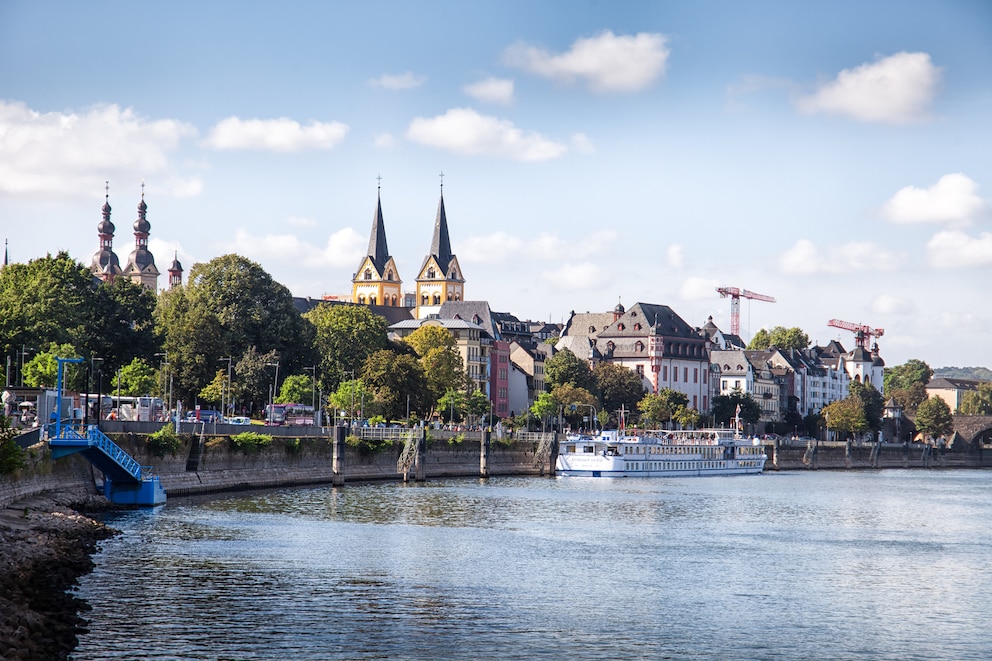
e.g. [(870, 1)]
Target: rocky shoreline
[(47, 542)]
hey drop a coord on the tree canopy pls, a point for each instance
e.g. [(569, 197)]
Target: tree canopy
[(725, 407), (566, 367), (618, 387), (933, 418), (781, 337), (905, 376), (978, 401), (345, 337)]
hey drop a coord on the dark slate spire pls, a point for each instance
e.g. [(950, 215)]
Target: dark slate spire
[(378, 250), (440, 243)]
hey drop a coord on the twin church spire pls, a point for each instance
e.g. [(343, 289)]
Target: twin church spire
[(377, 281)]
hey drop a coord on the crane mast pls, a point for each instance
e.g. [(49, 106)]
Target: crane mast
[(736, 294)]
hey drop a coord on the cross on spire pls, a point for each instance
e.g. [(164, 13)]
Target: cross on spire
[(107, 188), (442, 181), (379, 180), (142, 189)]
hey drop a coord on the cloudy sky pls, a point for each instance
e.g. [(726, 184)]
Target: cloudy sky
[(833, 155)]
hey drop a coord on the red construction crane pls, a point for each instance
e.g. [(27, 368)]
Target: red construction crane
[(862, 333), (736, 295)]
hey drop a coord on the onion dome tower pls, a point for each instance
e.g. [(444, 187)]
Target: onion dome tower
[(141, 267), (377, 280), (175, 272), (105, 265), (440, 278)]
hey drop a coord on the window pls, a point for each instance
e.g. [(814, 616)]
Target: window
[(424, 299), (685, 374), (361, 299), (639, 346), (368, 274), (389, 274), (637, 326), (437, 299), (371, 300), (430, 272), (664, 373), (695, 375), (640, 371), (621, 327), (675, 374)]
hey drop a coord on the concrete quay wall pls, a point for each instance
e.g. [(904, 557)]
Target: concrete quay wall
[(838, 456)]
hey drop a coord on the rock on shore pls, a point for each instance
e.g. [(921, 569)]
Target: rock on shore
[(45, 545)]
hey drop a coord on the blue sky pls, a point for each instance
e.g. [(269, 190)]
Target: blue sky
[(834, 155)]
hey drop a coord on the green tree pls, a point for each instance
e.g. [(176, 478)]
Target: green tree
[(909, 398), (349, 397), (213, 392), (872, 403), (42, 369), (544, 408), (477, 403), (397, 381), (725, 407), (903, 377), (781, 337), (618, 387), (567, 394), (660, 408), (565, 367), (121, 323), (933, 418), (229, 305), (453, 404), (296, 389), (253, 378), (346, 335), (977, 402), (429, 337), (846, 417), (135, 378)]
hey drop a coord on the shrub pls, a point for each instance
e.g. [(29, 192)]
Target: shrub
[(164, 441), (456, 439), (249, 441), (368, 445), (11, 454)]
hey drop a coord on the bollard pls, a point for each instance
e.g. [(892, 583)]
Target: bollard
[(484, 454), (337, 461), (420, 462)]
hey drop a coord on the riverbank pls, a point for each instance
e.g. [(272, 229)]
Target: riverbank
[(47, 545)]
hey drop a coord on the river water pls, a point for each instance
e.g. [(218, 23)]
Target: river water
[(812, 565)]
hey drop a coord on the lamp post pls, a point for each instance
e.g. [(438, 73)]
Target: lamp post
[(99, 388), (313, 391), (593, 419), (24, 350), (225, 391), (272, 390)]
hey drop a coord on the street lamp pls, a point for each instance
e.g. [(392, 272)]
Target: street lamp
[(272, 390), (225, 391), (313, 391), (24, 350), (99, 388), (593, 419)]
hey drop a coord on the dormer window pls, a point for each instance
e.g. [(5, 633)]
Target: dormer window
[(592, 329), (431, 273), (368, 274), (621, 327), (637, 326)]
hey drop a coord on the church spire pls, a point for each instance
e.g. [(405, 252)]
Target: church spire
[(378, 250), (440, 242)]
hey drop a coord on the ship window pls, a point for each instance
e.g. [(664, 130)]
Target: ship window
[(588, 448)]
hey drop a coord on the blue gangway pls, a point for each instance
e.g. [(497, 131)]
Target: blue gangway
[(125, 482)]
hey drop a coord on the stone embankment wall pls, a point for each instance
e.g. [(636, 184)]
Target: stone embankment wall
[(72, 474), (841, 455)]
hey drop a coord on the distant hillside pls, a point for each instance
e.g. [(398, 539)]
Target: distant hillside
[(978, 373)]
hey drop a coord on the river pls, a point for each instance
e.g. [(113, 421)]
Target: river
[(818, 565)]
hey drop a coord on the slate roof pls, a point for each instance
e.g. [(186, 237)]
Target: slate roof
[(378, 250), (440, 242), (475, 311), (391, 314)]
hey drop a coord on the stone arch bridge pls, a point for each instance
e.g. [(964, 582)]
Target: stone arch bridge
[(974, 428)]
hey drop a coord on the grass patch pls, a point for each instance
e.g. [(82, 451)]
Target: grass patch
[(368, 445)]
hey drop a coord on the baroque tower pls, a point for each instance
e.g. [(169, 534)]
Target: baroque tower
[(440, 277), (175, 272), (377, 280), (141, 267), (105, 265)]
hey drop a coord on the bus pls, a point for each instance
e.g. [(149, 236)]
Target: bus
[(290, 415)]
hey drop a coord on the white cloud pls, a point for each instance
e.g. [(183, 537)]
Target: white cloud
[(71, 154), (464, 131), (502, 247), (892, 305), (953, 199), (698, 289), (341, 250), (954, 249), (577, 275), (804, 258), (606, 62), (491, 90), (582, 144), (384, 140), (676, 256), (403, 81), (280, 135), (897, 89)]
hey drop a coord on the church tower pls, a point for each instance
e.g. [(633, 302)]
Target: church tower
[(141, 267), (175, 272), (105, 265), (377, 281), (440, 278)]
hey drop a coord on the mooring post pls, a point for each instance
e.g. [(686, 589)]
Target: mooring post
[(484, 454), (553, 455), (420, 461), (337, 460)]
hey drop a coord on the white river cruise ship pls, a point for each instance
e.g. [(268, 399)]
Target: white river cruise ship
[(686, 453)]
